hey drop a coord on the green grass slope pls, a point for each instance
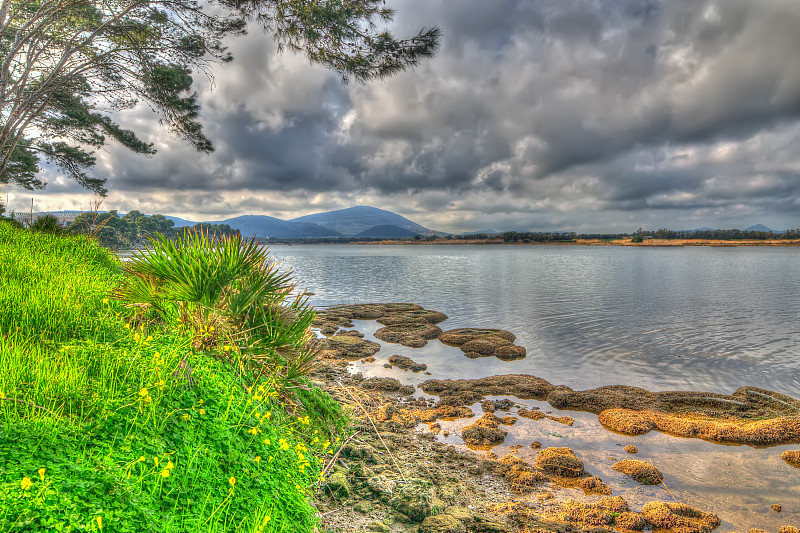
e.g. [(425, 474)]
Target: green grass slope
[(106, 426)]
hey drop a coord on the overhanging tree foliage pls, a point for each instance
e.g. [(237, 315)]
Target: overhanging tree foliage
[(65, 65)]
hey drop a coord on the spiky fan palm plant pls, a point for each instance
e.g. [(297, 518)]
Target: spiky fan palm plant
[(232, 297)]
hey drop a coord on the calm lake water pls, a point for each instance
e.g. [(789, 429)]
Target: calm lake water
[(696, 318), (710, 319)]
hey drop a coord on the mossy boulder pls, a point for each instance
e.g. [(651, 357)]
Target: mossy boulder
[(560, 461), (338, 486), (382, 486), (443, 523), (641, 471), (414, 499)]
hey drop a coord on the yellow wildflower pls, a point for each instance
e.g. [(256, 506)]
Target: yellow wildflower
[(267, 442), (141, 459), (41, 472), (26, 483), (201, 411), (257, 459), (100, 523), (105, 300), (155, 460), (186, 417), (232, 481), (2, 395), (144, 392), (200, 401), (149, 338), (169, 466), (165, 473)]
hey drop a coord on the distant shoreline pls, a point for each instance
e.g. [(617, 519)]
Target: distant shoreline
[(660, 243)]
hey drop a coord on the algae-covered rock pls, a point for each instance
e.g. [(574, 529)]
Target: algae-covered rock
[(641, 471), (679, 517), (350, 347), (384, 384), (457, 337), (486, 345), (414, 499), (630, 521), (338, 485), (476, 343), (788, 529), (472, 390), (520, 474), (443, 523), (378, 527), (462, 514), (401, 361), (560, 462), (531, 414), (594, 485), (630, 448), (363, 507), (600, 513), (484, 431), (510, 352), (382, 486), (412, 335), (792, 457), (416, 316)]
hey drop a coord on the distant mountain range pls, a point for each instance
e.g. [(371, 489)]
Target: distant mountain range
[(359, 221), (757, 227)]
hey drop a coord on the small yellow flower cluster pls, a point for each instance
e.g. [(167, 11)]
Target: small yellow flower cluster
[(144, 394), (264, 522), (167, 469)]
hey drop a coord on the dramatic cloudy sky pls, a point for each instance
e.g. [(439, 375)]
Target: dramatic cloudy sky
[(536, 114)]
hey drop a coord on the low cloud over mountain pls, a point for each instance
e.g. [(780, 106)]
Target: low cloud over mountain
[(602, 114)]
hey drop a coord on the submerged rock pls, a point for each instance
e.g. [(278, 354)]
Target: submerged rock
[(630, 448), (401, 361)]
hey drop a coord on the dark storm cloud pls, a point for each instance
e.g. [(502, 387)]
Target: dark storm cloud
[(546, 110)]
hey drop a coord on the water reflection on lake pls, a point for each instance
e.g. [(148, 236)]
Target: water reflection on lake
[(711, 319)]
